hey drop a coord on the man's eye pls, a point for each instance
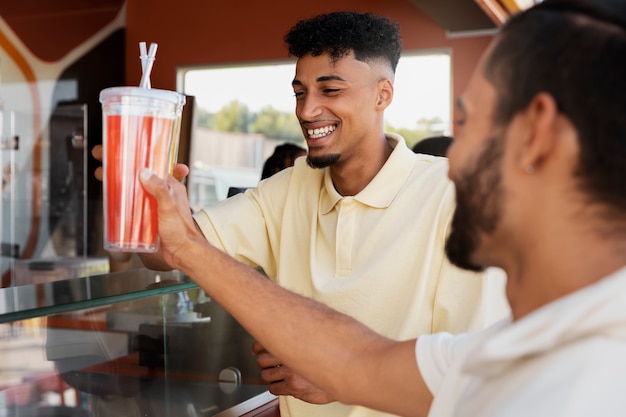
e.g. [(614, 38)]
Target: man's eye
[(297, 94), (330, 90)]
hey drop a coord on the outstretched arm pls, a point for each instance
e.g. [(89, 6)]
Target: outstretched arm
[(335, 352)]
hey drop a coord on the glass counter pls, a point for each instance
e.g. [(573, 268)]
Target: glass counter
[(134, 343)]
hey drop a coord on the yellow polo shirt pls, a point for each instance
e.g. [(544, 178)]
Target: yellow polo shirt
[(377, 256)]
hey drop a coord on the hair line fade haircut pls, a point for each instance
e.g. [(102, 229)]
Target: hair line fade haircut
[(370, 36)]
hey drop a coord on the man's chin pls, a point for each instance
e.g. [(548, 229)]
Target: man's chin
[(322, 161), (467, 265), (460, 255)]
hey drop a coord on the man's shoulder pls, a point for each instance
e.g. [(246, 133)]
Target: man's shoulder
[(432, 168)]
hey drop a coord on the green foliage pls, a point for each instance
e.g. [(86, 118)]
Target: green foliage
[(277, 125), (233, 117), (204, 118)]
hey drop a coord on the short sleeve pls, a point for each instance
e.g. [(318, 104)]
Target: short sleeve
[(435, 354)]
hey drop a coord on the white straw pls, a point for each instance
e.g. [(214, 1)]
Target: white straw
[(146, 63), (143, 55)]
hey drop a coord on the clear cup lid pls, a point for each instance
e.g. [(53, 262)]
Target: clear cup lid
[(150, 93)]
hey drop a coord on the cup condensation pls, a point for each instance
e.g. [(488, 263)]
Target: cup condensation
[(141, 129)]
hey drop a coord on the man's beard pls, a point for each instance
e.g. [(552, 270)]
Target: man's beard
[(322, 161), (478, 205)]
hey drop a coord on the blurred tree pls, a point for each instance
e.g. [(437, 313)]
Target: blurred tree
[(434, 125), (204, 118), (277, 125), (233, 117)]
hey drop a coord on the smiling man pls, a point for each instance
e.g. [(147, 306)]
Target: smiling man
[(360, 223)]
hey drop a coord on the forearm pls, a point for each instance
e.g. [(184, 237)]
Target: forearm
[(332, 350)]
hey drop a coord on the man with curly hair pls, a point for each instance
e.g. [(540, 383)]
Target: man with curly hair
[(360, 223)]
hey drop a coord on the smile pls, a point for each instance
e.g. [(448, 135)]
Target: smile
[(321, 131)]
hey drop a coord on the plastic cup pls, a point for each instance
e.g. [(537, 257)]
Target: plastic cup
[(141, 128)]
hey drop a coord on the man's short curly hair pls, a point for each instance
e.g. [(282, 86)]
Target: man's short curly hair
[(369, 36)]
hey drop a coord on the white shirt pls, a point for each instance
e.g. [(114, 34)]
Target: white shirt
[(566, 359)]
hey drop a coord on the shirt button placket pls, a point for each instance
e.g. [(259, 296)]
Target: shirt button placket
[(345, 236)]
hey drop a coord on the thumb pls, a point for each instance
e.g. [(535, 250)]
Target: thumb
[(169, 194), (151, 183)]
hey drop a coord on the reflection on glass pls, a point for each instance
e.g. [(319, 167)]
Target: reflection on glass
[(137, 343)]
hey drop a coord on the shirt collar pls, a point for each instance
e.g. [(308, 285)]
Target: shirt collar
[(384, 187)]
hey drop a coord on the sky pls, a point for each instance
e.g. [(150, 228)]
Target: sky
[(422, 88)]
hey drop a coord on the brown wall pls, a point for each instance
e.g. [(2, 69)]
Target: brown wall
[(200, 32)]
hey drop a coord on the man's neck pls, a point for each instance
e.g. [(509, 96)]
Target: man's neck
[(550, 273), (351, 177)]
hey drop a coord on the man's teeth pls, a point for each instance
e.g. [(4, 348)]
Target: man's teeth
[(320, 132)]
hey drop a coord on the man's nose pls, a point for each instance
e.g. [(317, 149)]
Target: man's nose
[(308, 107)]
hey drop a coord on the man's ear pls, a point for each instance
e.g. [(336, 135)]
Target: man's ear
[(541, 117), (385, 93)]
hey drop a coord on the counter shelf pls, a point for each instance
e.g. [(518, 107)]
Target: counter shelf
[(132, 343), (39, 300)]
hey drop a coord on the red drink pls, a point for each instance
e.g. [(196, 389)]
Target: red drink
[(132, 143)]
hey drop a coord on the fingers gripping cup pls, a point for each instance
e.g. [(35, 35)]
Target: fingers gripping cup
[(141, 128)]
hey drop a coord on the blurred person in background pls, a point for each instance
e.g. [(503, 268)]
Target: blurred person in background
[(284, 156), (434, 145)]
